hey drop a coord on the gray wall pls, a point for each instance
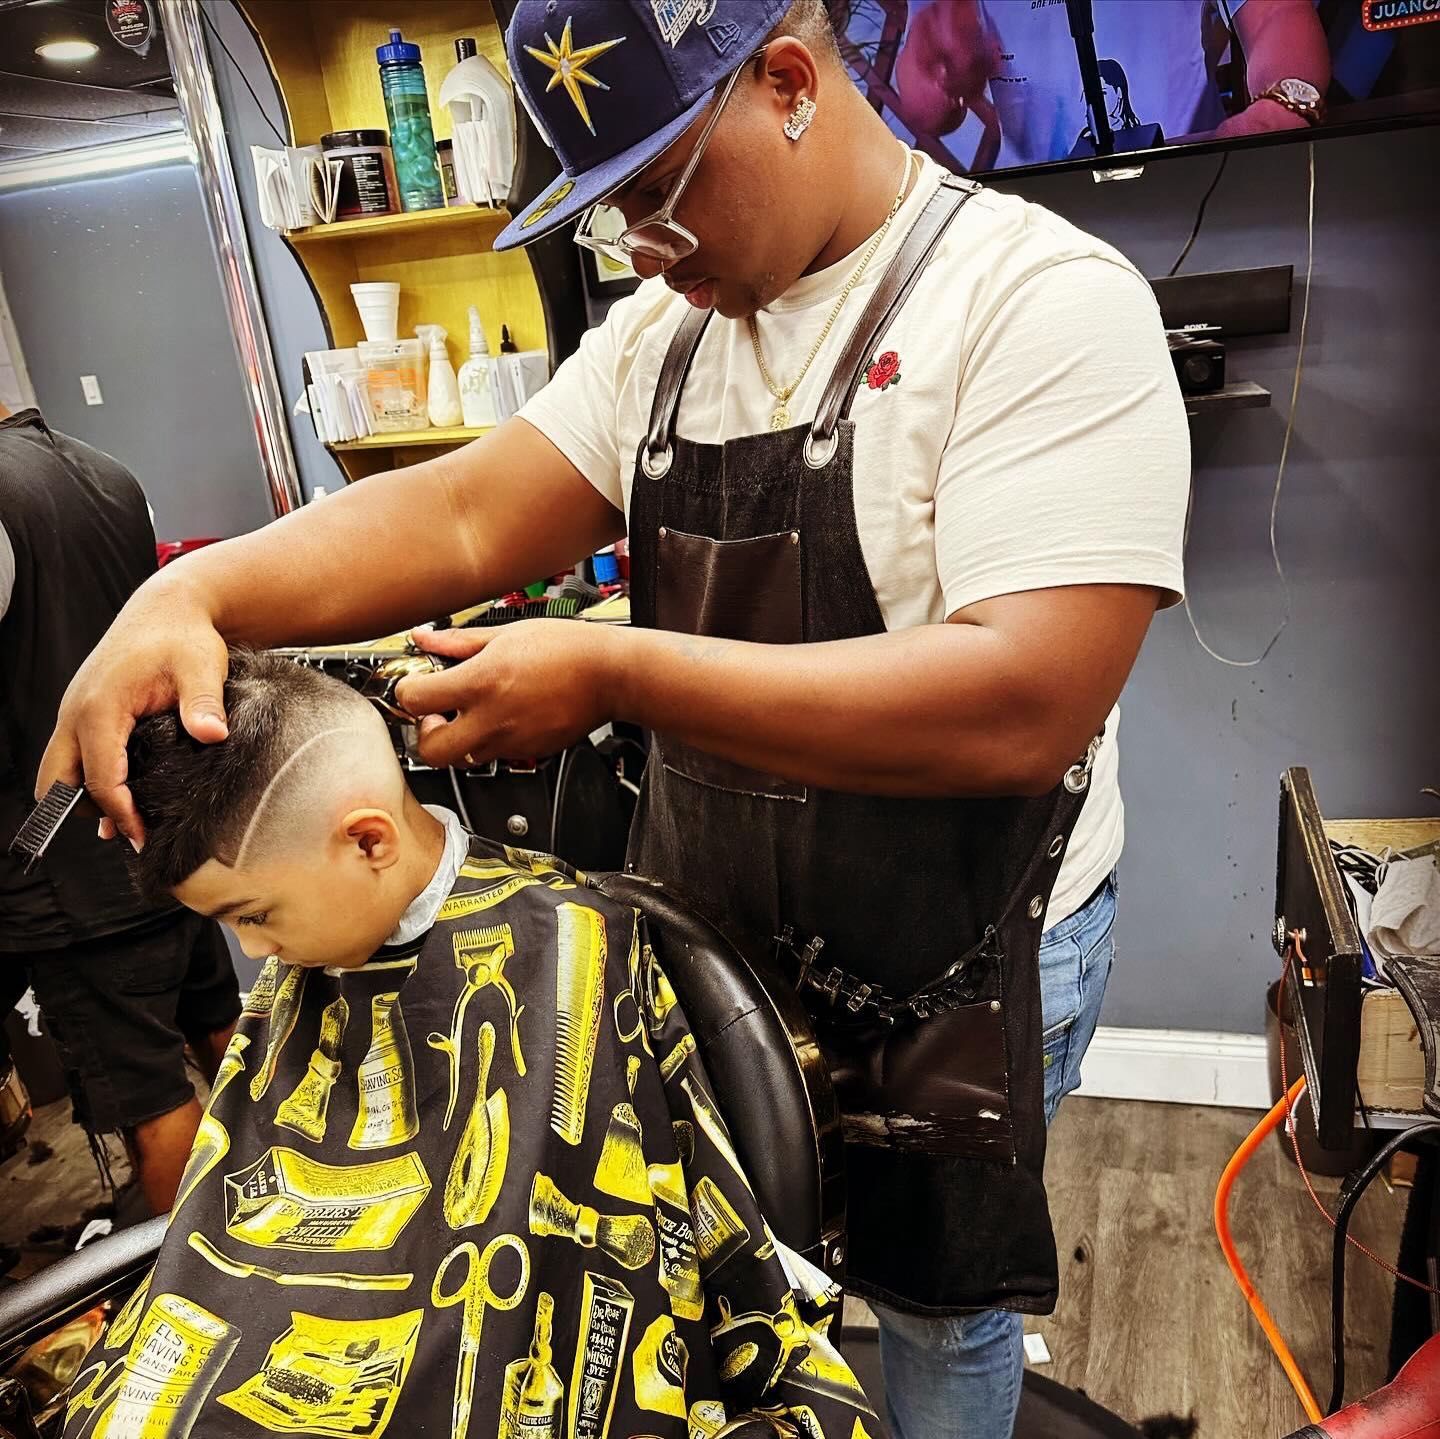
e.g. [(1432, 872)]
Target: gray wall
[(1351, 688), (115, 277)]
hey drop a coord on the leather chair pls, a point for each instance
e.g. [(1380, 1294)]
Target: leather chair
[(762, 1057)]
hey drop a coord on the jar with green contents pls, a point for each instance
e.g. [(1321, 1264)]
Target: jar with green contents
[(412, 138)]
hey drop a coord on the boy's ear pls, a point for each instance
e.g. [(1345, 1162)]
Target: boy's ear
[(374, 832)]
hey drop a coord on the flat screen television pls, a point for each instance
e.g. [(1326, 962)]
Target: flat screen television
[(991, 86)]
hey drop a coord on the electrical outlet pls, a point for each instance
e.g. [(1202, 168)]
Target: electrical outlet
[(91, 386)]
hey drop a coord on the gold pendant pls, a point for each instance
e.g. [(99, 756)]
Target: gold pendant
[(781, 418)]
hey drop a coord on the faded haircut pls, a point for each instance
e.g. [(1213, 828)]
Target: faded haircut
[(809, 20), (197, 800)]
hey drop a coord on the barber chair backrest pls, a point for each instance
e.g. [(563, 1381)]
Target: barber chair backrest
[(770, 1079)]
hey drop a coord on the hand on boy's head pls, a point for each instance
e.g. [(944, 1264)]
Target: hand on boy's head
[(146, 664)]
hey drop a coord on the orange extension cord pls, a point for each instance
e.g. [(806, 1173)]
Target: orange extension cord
[(1241, 1157), (1283, 1108)]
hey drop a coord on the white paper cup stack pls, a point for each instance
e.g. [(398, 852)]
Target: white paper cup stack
[(379, 305)]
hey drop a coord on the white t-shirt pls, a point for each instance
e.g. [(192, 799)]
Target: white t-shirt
[(1035, 437), (1154, 70)]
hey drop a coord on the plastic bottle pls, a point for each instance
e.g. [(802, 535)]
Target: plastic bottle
[(442, 396), (412, 137), (477, 394), (533, 1393)]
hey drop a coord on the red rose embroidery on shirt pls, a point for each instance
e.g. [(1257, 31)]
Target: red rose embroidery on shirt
[(884, 372)]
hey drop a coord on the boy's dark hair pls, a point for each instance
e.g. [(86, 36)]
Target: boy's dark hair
[(196, 800)]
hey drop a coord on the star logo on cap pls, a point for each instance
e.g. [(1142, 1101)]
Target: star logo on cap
[(568, 67)]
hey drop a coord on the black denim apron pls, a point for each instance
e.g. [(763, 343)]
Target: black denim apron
[(913, 924)]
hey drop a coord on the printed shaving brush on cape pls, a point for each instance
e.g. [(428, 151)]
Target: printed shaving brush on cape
[(628, 1239)]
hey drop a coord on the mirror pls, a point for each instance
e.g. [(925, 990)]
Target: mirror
[(112, 320)]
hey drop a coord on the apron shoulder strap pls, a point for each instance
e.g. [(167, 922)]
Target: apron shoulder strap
[(654, 456), (890, 294)]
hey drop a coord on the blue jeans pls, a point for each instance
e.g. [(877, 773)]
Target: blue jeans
[(960, 1378)]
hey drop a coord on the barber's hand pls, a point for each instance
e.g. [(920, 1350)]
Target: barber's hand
[(524, 690), (161, 652)]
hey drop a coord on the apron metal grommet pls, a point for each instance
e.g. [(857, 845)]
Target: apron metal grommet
[(1035, 908), (656, 464), (819, 454), (794, 537), (1077, 779), (663, 532), (517, 824), (994, 1006), (1056, 845)]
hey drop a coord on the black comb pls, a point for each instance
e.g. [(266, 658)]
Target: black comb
[(45, 819)]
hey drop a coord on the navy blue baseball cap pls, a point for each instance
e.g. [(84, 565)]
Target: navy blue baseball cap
[(612, 83)]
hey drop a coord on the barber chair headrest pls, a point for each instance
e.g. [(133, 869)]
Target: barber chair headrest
[(770, 1078)]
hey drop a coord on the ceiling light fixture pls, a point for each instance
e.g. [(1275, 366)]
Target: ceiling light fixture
[(63, 50)]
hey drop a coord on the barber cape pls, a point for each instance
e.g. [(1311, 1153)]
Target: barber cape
[(443, 1194)]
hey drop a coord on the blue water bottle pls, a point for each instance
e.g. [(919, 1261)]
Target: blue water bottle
[(412, 140)]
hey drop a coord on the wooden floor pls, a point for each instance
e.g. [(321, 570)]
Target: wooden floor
[(1149, 1321), (49, 1188)]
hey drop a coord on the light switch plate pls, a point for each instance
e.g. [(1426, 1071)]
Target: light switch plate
[(91, 386)]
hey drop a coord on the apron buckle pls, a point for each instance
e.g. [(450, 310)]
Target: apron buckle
[(656, 463), (819, 452), (1077, 777)]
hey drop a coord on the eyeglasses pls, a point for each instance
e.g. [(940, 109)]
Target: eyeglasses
[(660, 236)]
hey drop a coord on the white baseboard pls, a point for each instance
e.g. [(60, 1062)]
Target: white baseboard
[(1177, 1066)]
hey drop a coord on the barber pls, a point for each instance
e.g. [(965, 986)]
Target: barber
[(889, 574)]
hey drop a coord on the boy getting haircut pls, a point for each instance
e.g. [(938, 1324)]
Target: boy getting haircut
[(429, 1141)]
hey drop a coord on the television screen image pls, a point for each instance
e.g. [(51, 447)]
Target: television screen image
[(1003, 85)]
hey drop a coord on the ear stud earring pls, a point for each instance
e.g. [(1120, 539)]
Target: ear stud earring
[(800, 118)]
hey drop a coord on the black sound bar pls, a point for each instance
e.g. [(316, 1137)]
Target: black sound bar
[(1240, 302)]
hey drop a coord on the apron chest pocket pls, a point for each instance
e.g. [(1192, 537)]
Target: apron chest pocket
[(735, 590)]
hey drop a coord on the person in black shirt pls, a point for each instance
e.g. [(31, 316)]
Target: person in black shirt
[(123, 985)]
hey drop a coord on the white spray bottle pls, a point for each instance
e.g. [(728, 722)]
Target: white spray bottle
[(477, 394), (443, 395)]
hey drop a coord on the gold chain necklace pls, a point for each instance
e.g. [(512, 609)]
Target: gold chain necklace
[(780, 418)]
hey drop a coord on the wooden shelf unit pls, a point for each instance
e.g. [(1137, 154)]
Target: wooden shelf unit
[(417, 439), (428, 221), (322, 55)]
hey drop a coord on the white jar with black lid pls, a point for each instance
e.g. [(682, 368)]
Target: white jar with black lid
[(367, 182)]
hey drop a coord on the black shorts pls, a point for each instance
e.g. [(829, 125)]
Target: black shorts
[(122, 1007)]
